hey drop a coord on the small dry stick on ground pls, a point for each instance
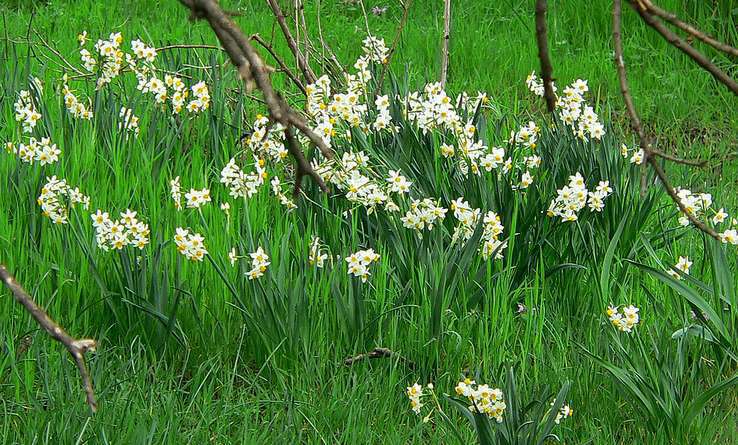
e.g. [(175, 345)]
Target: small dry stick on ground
[(645, 143), (254, 73), (542, 41), (446, 38), (376, 353), (77, 348)]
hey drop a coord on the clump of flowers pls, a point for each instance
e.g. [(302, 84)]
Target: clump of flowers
[(359, 262), (635, 156), (565, 412), (625, 321), (25, 111), (573, 197), (129, 121), (423, 215), (484, 400), (375, 49), (75, 107), (280, 194), (695, 204), (683, 265), (55, 195), (119, 233), (316, 258), (259, 263), (571, 107), (110, 58), (201, 102), (42, 151), (194, 199), (197, 198), (699, 206), (241, 184), (414, 393), (490, 237), (191, 245)]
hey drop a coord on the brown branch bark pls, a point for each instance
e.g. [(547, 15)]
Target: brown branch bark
[(546, 68), (301, 63), (77, 348), (685, 47), (302, 166), (253, 71), (689, 29), (446, 38), (645, 143)]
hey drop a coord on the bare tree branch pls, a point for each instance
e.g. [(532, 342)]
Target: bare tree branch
[(689, 29), (446, 38), (255, 74), (645, 143), (301, 63), (685, 47), (77, 348), (546, 68)]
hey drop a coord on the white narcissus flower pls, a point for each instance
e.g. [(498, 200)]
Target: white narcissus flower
[(259, 263)]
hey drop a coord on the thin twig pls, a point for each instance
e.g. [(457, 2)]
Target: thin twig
[(689, 29), (170, 47), (685, 47), (252, 70), (301, 63), (678, 160), (395, 42), (56, 53), (77, 348), (257, 38), (542, 41), (444, 43)]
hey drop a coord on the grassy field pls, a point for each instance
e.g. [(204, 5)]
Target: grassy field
[(262, 361)]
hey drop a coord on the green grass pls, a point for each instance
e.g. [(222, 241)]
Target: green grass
[(263, 362)]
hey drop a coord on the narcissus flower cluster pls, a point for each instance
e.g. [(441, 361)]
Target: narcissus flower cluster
[(683, 265), (571, 108), (43, 151), (573, 197), (128, 122), (565, 412), (259, 263), (119, 233), (359, 262), (25, 111), (56, 195), (484, 400), (191, 245), (315, 257), (626, 320), (414, 393)]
